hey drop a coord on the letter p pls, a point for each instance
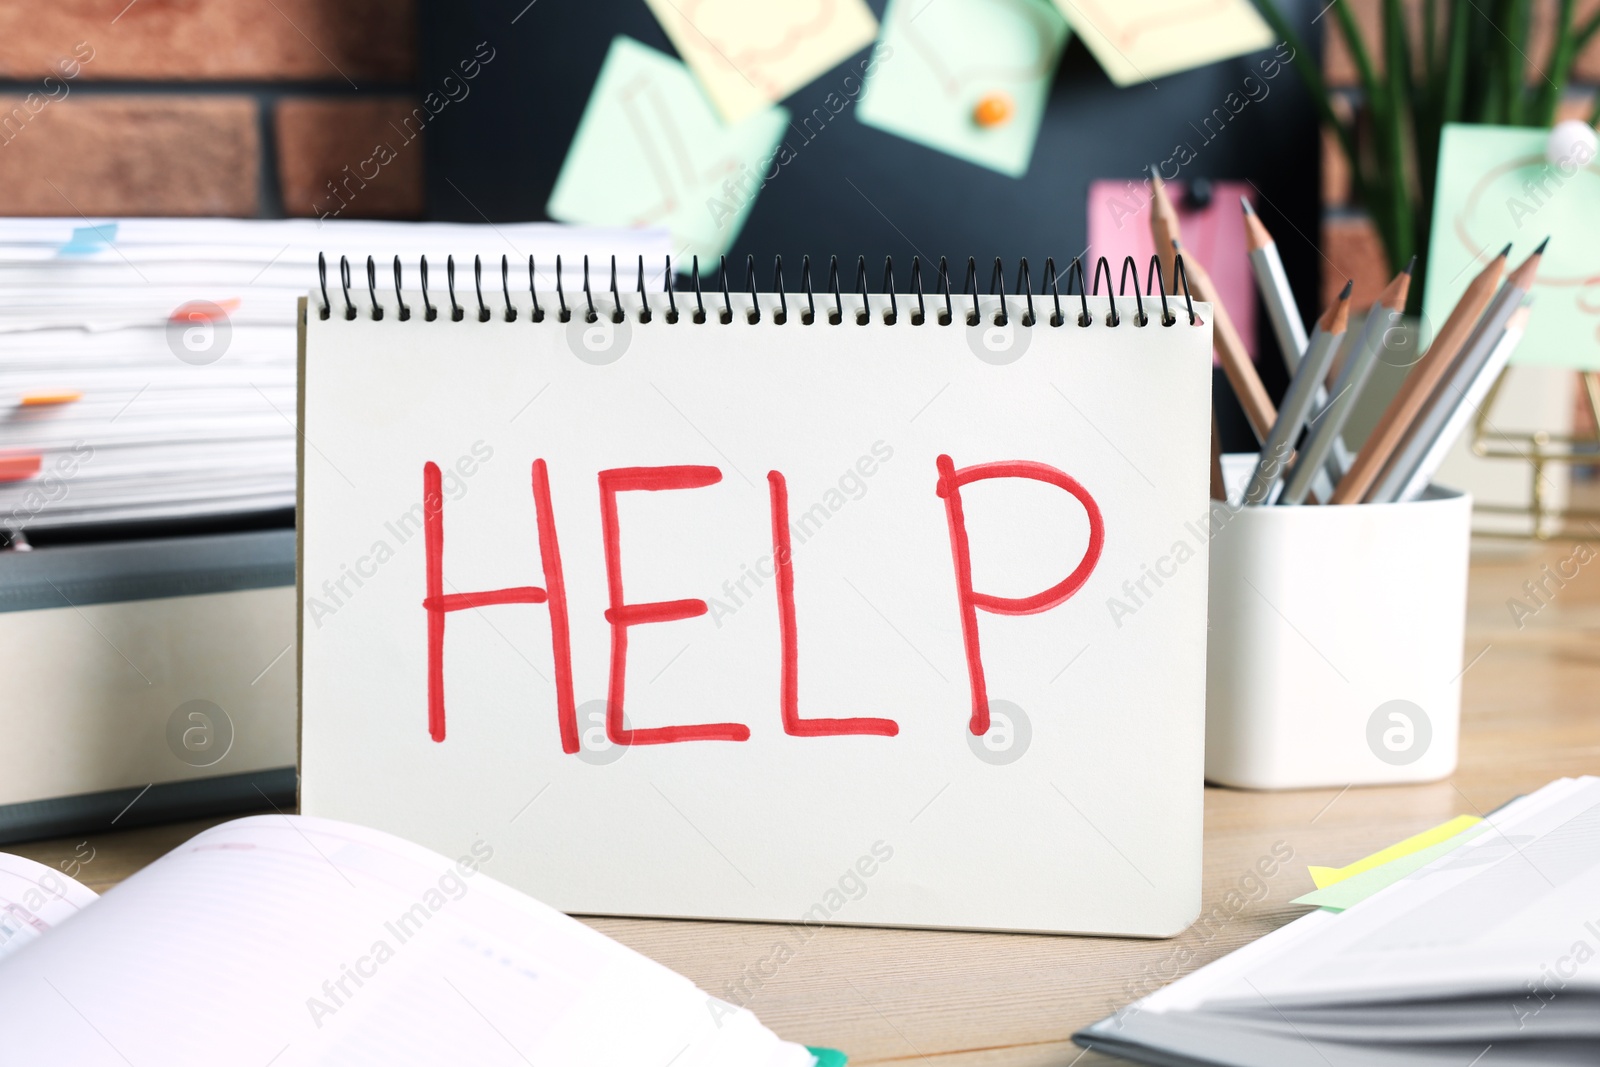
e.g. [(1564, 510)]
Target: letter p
[(949, 488)]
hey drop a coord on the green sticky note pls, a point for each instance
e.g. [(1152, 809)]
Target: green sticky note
[(827, 1057), (1353, 890), (651, 151), (941, 62), (1495, 185)]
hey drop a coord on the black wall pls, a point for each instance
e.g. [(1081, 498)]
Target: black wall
[(498, 152)]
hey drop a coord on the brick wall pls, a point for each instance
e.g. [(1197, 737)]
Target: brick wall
[(1349, 241), (208, 107)]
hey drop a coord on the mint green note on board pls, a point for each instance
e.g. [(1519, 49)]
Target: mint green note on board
[(1495, 185), (938, 60), (651, 151)]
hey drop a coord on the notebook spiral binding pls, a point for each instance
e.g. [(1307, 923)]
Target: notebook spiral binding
[(1155, 285)]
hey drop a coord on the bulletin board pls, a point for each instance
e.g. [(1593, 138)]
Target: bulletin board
[(855, 190)]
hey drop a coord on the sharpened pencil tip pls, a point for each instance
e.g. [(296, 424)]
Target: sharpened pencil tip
[(1540, 250), (1344, 294), (1244, 202), (1410, 267), (1506, 251)]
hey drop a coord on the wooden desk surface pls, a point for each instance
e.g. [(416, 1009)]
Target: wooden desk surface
[(962, 1000)]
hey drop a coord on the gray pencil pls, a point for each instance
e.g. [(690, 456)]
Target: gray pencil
[(1299, 399), (1329, 423)]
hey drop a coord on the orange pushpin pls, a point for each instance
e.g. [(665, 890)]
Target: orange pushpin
[(994, 109)]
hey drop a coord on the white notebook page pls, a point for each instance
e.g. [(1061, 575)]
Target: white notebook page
[(292, 940)]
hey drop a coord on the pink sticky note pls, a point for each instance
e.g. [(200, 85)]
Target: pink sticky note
[(1119, 226)]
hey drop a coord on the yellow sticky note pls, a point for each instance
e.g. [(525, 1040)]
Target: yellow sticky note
[(1326, 876), (1137, 41), (746, 54)]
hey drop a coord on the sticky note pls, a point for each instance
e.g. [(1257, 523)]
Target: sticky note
[(1358, 887), (1495, 185), (650, 151), (827, 1057), (1119, 226), (939, 60), (1137, 41), (748, 54), (1326, 876), (88, 239)]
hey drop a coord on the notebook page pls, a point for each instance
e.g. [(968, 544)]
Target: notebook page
[(302, 941), (1485, 919), (34, 899)]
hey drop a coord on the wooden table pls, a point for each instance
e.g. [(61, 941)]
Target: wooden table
[(961, 1000)]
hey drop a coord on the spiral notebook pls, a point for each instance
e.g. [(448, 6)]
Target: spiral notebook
[(810, 605)]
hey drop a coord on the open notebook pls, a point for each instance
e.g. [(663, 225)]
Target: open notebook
[(289, 940), (1485, 955)]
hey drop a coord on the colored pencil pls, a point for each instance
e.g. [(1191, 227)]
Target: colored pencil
[(1329, 423), (1475, 352), (1298, 399), (1419, 384), (1468, 405)]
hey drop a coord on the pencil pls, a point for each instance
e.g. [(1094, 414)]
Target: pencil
[(1164, 229), (1475, 352), (1419, 384), (1253, 398), (1219, 485), (1299, 398), (1273, 282), (1466, 406), (1347, 388)]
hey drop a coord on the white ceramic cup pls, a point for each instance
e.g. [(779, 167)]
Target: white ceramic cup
[(1335, 651)]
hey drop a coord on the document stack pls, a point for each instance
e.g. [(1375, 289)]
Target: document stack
[(148, 364)]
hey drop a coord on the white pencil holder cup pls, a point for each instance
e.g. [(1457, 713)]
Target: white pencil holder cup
[(1335, 651)]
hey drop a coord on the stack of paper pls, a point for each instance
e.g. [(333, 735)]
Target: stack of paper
[(147, 366), (1484, 948)]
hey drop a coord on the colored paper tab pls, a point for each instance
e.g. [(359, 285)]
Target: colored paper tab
[(41, 400), (89, 239), (827, 1057), (1326, 876), (949, 69), (18, 468), (1353, 890), (1139, 40), (1495, 185), (650, 151), (749, 55)]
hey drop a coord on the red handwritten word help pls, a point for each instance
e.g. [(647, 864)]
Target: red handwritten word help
[(622, 615)]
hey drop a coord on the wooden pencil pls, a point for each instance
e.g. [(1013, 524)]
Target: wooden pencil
[(1475, 352), (1164, 228), (1419, 384), (1298, 399), (1236, 364), (1273, 282), (1465, 407), (1353, 377), (1219, 486)]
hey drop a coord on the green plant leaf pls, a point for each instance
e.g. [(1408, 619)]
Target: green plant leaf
[(1310, 70)]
